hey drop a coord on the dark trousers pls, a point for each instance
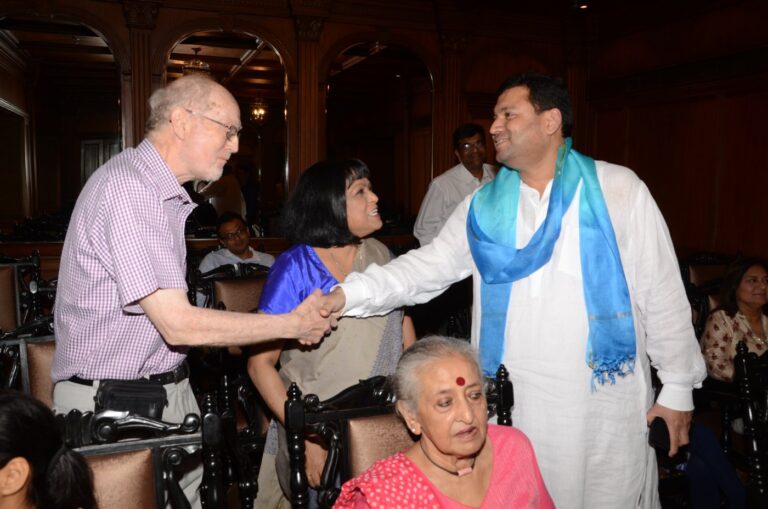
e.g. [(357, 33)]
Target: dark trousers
[(710, 473)]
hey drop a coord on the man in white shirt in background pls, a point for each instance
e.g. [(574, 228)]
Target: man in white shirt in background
[(235, 239), (446, 191)]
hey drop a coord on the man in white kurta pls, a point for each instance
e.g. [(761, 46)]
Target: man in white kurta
[(446, 191), (591, 444)]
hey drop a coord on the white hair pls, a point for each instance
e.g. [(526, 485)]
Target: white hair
[(405, 380), (192, 91)]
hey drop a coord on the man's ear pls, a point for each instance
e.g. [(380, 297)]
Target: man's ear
[(553, 121), (179, 122), (14, 476)]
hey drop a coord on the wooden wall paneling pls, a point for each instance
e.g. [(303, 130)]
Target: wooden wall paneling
[(577, 80), (731, 28), (490, 63), (743, 180), (609, 136), (674, 147), (49, 174), (421, 161), (14, 193), (710, 134)]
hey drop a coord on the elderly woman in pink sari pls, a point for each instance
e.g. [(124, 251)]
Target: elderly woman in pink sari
[(459, 461)]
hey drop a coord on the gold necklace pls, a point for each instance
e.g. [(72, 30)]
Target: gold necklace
[(458, 473)]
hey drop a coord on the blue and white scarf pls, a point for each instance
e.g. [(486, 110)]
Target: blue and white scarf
[(491, 225)]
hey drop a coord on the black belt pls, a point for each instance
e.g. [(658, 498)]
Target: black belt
[(173, 376)]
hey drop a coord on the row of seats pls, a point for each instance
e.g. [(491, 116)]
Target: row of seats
[(359, 426), (232, 423), (746, 398)]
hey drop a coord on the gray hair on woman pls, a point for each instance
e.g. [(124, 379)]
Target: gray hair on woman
[(425, 351)]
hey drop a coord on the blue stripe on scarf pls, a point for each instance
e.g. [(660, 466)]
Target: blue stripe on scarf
[(491, 230)]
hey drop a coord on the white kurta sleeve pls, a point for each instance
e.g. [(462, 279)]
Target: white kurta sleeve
[(665, 313), (415, 277)]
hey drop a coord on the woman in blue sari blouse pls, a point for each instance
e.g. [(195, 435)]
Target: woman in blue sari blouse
[(327, 219)]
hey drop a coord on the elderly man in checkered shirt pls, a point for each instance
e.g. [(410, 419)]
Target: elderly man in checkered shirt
[(121, 310)]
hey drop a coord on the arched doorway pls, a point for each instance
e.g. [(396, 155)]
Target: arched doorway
[(70, 86), (379, 109), (252, 70)]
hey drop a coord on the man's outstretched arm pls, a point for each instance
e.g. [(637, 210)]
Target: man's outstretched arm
[(180, 323)]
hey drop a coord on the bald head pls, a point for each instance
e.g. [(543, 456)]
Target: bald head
[(194, 91)]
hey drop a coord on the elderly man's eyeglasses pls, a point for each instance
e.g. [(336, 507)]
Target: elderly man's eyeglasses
[(233, 235), (232, 131), (466, 147)]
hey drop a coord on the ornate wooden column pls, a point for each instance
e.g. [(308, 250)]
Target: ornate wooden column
[(140, 18), (308, 29), (452, 47), (309, 16)]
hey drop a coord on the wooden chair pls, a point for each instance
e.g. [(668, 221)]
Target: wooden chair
[(9, 306), (36, 358), (358, 427), (241, 295), (139, 472), (20, 286), (240, 408), (750, 376), (125, 479), (136, 473), (238, 294), (702, 274), (10, 364)]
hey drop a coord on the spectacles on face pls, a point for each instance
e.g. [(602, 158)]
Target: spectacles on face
[(233, 235), (466, 147), (232, 131)]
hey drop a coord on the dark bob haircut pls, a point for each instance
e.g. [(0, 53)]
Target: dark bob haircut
[(316, 211), (732, 280), (467, 131), (545, 93)]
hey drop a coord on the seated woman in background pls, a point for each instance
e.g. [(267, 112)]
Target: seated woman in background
[(459, 460), (326, 218), (36, 468), (740, 317)]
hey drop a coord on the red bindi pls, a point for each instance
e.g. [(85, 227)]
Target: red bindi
[(460, 381)]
